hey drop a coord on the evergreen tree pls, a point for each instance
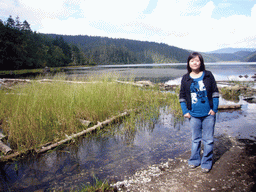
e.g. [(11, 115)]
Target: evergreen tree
[(18, 24), (10, 22), (20, 48), (65, 48), (25, 26)]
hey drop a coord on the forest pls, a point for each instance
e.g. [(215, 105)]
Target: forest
[(21, 48), (103, 50)]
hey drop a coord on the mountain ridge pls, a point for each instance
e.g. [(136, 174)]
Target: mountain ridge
[(231, 50), (104, 50)]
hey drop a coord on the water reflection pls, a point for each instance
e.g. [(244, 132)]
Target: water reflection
[(113, 154)]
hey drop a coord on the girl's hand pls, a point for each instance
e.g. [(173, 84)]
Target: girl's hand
[(211, 112), (187, 115)]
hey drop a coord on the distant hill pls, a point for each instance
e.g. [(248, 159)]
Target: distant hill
[(103, 50), (231, 54), (251, 57), (231, 50)]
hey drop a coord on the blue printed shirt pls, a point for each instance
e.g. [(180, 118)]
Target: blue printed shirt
[(199, 101)]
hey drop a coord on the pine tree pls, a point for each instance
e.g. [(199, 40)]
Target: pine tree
[(18, 24), (10, 22), (25, 26)]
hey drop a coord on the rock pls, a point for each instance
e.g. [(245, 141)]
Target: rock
[(250, 99), (145, 83), (166, 87)]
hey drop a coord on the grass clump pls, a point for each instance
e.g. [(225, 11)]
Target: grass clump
[(38, 113), (230, 94), (99, 186)]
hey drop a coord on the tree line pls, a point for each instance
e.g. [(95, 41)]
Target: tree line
[(103, 50), (21, 48)]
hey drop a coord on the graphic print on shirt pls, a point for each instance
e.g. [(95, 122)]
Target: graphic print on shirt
[(198, 91)]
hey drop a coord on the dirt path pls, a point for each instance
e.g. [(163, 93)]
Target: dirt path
[(234, 169)]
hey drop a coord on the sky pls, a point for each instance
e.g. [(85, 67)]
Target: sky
[(198, 25)]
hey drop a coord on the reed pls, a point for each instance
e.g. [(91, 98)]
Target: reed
[(37, 113)]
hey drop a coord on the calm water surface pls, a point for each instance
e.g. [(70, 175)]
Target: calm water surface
[(113, 155), (166, 72)]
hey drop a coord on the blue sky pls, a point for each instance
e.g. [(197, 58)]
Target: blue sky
[(200, 25)]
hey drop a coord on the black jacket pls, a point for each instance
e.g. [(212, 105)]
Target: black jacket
[(210, 85)]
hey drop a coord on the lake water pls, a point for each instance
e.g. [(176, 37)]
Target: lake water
[(165, 72), (114, 156)]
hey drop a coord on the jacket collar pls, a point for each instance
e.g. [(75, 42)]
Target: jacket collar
[(206, 73)]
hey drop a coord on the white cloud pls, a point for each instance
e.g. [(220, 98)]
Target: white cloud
[(115, 11), (183, 23), (207, 10), (253, 12)]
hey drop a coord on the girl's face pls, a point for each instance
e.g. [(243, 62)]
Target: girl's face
[(195, 64)]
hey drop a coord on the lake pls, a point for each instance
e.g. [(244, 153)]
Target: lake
[(115, 156), (166, 72)]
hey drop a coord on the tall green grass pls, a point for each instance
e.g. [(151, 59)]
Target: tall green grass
[(37, 113)]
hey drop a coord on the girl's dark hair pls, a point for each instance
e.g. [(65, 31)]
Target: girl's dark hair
[(193, 55)]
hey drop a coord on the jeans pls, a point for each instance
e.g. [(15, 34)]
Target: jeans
[(202, 129)]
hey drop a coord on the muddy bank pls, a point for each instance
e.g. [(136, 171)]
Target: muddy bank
[(234, 169)]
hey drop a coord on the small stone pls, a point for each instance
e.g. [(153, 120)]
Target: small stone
[(213, 189)]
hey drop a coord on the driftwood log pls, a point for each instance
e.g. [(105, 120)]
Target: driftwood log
[(4, 148), (5, 80), (54, 145), (99, 125), (130, 83), (64, 81), (237, 106), (2, 136)]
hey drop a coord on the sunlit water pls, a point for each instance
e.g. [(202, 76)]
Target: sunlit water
[(113, 155)]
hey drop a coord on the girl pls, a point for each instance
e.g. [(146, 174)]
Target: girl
[(199, 100)]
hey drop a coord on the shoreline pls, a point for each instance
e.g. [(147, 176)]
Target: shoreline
[(234, 169)]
